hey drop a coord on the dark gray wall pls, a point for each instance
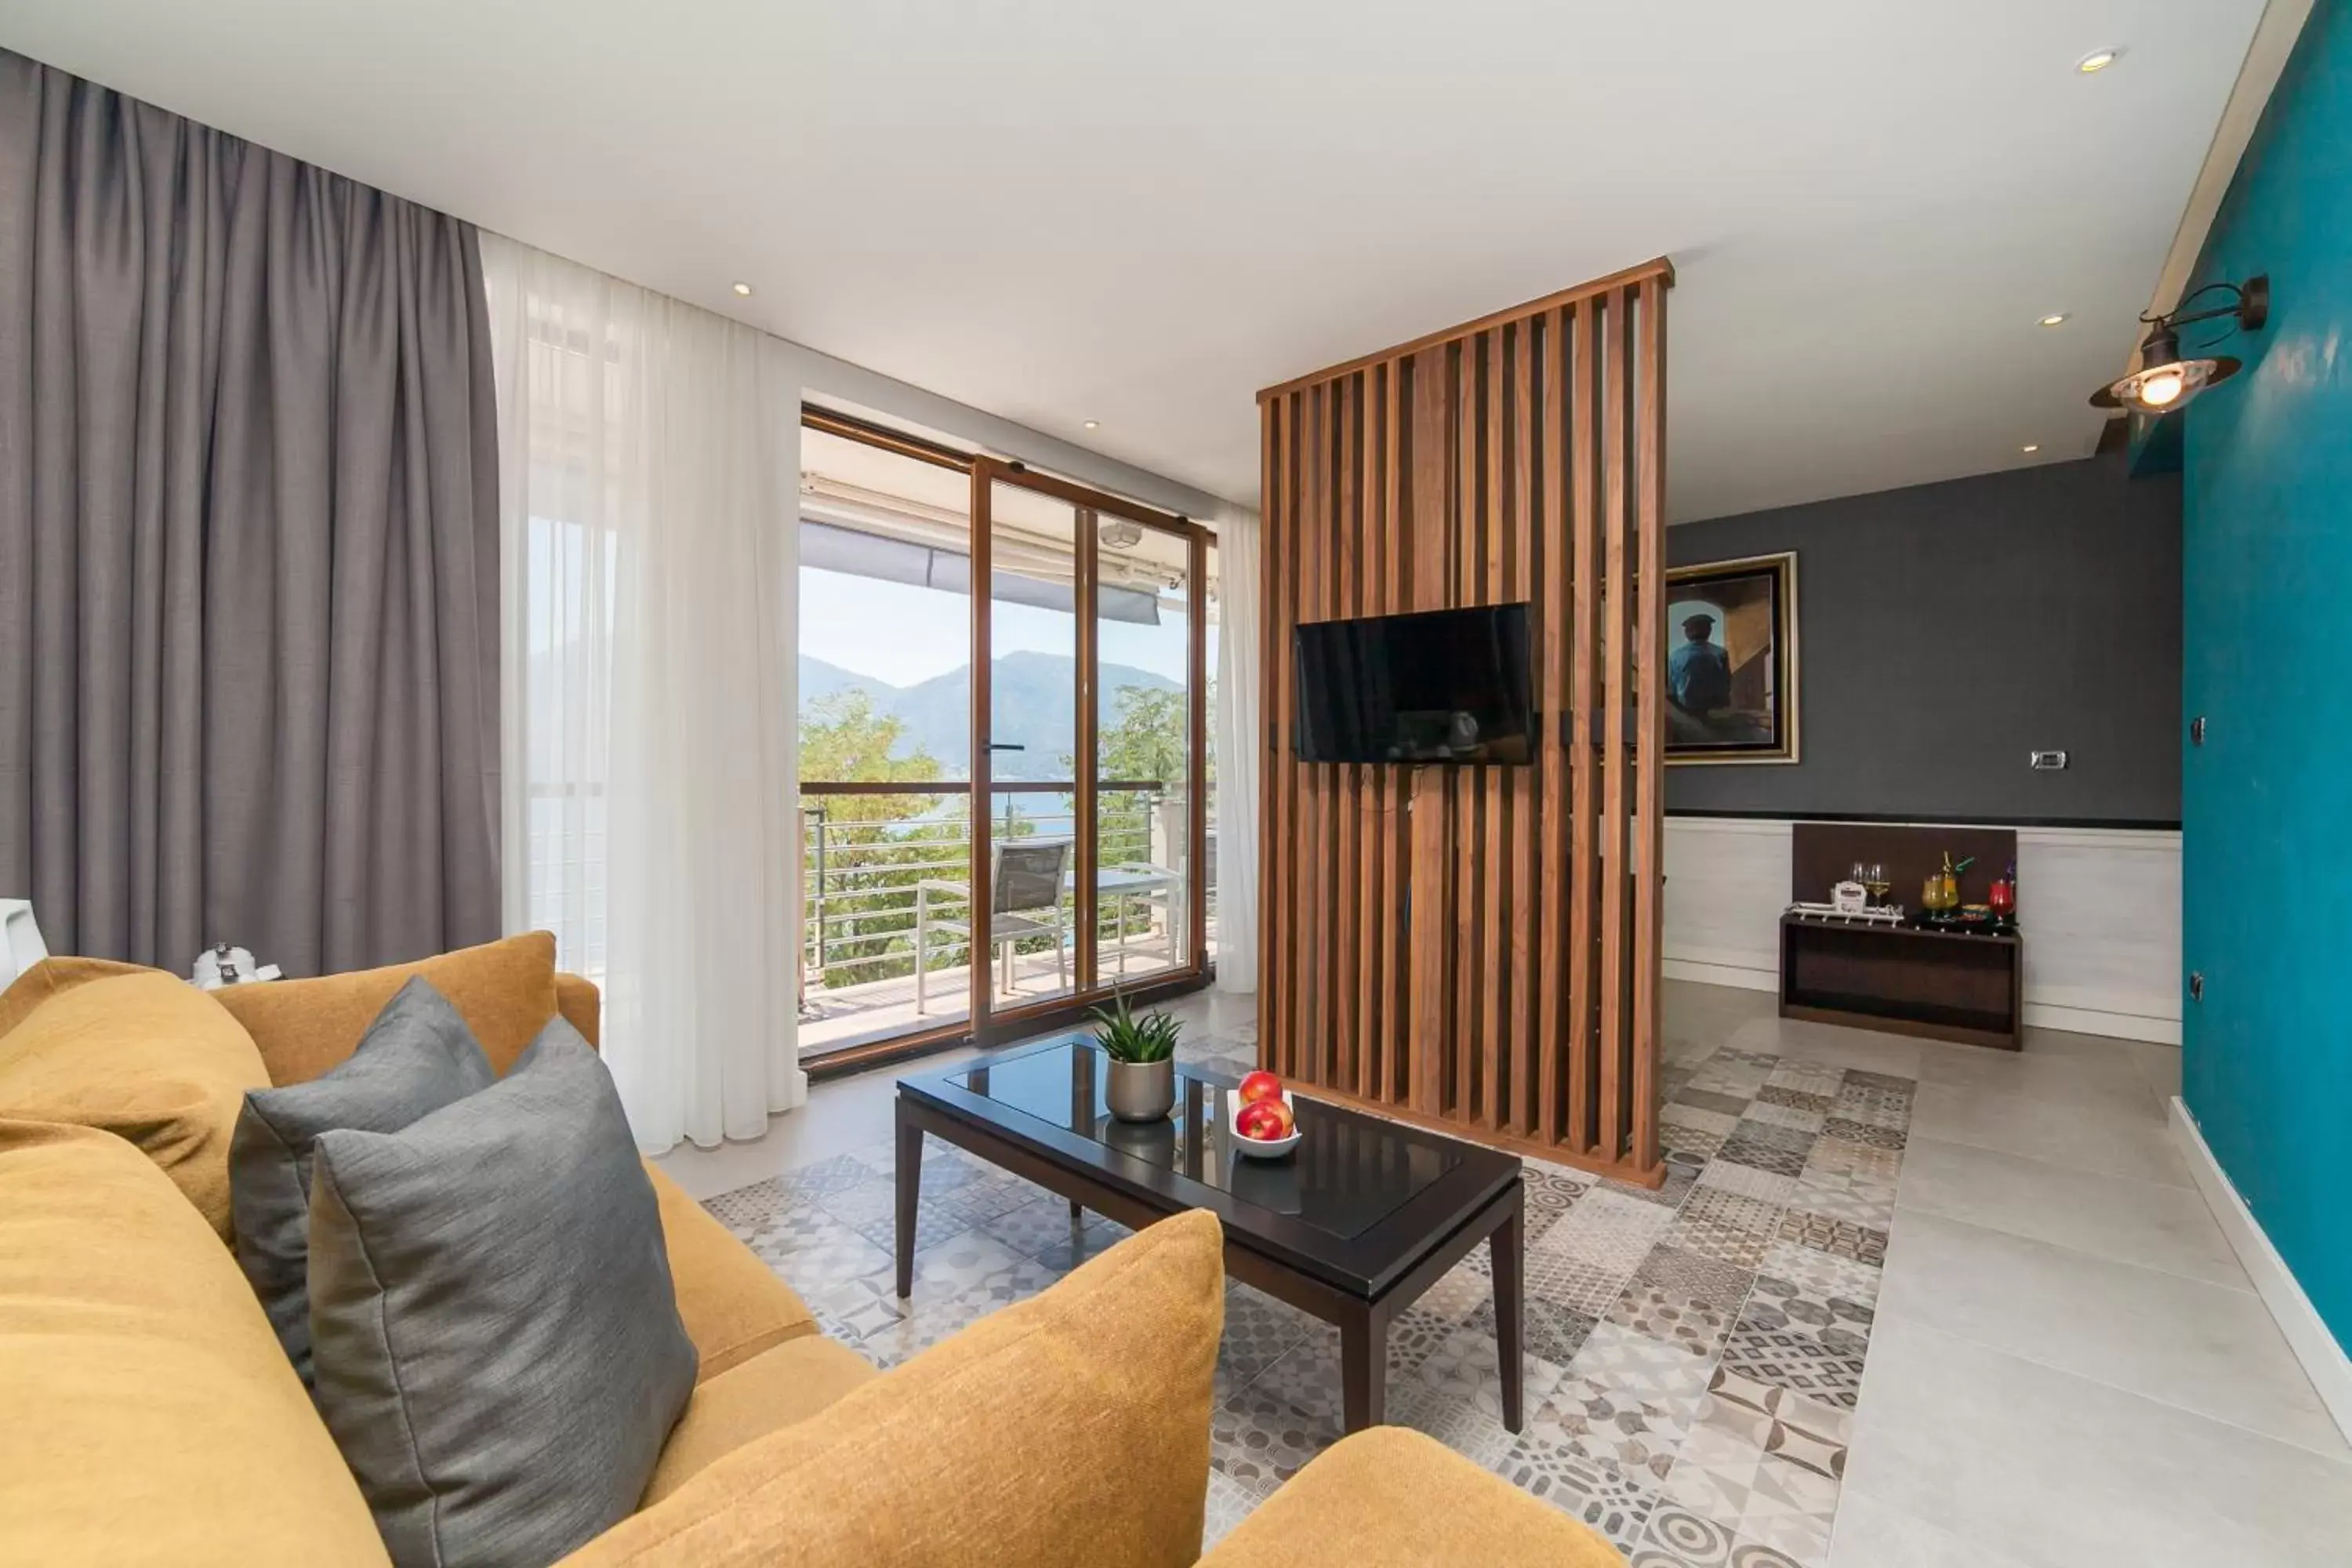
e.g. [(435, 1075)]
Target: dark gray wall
[(1948, 631)]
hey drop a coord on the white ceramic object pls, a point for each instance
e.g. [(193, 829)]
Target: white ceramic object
[(21, 946), (227, 966), (1263, 1149)]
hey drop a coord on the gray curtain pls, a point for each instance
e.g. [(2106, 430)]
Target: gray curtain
[(249, 547)]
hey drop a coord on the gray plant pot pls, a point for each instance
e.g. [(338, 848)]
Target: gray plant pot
[(1141, 1091)]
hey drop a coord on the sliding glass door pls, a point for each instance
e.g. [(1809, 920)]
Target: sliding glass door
[(1093, 777), (1028, 678), (1146, 772), (1003, 724)]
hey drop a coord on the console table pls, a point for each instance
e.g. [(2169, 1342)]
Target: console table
[(1965, 986), (1943, 985)]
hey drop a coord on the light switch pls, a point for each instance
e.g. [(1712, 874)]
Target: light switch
[(2049, 762)]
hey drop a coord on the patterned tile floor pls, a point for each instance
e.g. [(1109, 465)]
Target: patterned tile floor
[(1694, 1353)]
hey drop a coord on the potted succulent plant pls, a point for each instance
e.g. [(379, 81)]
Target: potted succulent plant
[(1143, 1052)]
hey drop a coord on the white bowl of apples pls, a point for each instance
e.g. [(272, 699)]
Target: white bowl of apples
[(1264, 1120)]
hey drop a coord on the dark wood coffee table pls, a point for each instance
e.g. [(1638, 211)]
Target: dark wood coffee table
[(1352, 1226)]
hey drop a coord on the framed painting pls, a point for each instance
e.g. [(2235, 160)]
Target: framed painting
[(1731, 661)]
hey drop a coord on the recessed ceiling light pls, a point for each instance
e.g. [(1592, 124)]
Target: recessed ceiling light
[(744, 290), (2097, 60), (1094, 424), (2029, 446), (2057, 321)]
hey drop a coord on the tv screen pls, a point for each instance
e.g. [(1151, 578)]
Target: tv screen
[(1444, 686)]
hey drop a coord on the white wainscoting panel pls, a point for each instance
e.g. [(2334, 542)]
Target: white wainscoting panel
[(2100, 908), (1726, 883)]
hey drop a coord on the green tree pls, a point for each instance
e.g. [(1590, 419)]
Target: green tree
[(845, 739), (1146, 738), (866, 852)]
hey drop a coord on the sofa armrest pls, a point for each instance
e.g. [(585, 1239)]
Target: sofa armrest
[(1068, 1431), (1391, 1498), (732, 1305), (577, 1000)]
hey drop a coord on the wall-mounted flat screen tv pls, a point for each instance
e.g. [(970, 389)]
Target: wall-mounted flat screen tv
[(1443, 685)]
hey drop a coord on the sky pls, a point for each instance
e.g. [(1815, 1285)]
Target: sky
[(899, 634)]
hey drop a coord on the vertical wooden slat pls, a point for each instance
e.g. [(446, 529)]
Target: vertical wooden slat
[(1271, 757), (1526, 877), (1369, 816), (1432, 891), (1584, 597), (1396, 836), (1347, 779), (1462, 785), (1650, 790), (1371, 909), (1491, 523), (1314, 906), (1615, 784), (1271, 656), (1560, 739), (1282, 591)]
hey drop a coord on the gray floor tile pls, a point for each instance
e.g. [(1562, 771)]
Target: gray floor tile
[(2056, 1469), (2112, 1141), (2209, 1348), (2152, 1223)]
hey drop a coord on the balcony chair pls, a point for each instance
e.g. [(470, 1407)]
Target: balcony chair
[(1025, 900)]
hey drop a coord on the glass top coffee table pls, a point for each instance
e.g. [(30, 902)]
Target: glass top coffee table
[(1351, 1226)]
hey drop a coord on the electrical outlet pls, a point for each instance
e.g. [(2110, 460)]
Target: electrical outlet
[(2049, 762)]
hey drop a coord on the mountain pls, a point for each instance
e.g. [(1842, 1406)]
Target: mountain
[(1034, 700), (819, 681)]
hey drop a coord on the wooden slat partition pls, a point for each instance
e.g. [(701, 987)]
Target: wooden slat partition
[(1478, 948)]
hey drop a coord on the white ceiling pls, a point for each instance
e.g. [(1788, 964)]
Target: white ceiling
[(1061, 210)]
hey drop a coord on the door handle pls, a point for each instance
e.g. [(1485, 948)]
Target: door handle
[(1001, 746)]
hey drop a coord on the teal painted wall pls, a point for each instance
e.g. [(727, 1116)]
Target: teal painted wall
[(2266, 803)]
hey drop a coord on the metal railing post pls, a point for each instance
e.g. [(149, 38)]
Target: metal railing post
[(820, 822)]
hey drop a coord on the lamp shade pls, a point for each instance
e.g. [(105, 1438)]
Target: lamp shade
[(2165, 380)]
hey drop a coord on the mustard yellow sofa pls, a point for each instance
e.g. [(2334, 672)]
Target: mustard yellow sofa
[(152, 1416)]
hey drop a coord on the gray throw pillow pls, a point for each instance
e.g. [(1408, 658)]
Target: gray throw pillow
[(417, 1056), (495, 1340)]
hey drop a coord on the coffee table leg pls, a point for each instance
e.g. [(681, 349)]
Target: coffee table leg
[(910, 1190), (1078, 1210), (1363, 1369), (1505, 1249)]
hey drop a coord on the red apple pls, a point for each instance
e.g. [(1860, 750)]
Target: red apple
[(1264, 1120), (1260, 1085)]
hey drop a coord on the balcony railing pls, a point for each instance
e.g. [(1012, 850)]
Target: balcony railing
[(866, 848)]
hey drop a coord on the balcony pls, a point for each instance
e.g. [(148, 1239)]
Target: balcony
[(881, 864)]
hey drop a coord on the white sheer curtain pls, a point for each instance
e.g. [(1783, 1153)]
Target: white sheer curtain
[(648, 475), (1241, 750)]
